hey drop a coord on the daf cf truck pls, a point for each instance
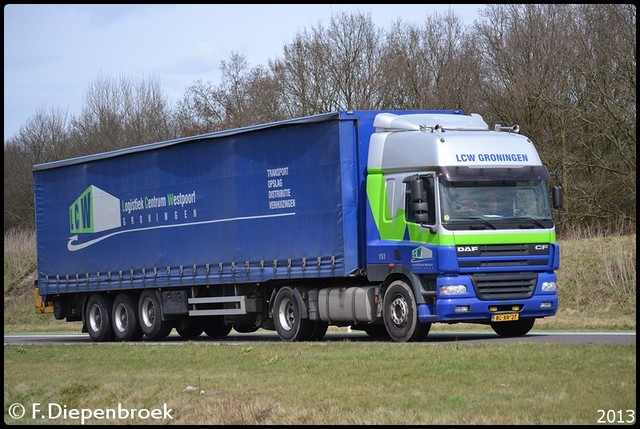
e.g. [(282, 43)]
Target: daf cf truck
[(383, 221)]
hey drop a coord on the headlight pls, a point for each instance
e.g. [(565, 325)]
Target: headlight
[(548, 286), (453, 290)]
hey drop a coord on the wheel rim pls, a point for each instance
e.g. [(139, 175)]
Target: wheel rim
[(286, 314), (95, 318), (148, 313), (121, 319), (399, 311)]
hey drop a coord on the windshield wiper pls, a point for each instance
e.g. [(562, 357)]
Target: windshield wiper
[(533, 221), (489, 224)]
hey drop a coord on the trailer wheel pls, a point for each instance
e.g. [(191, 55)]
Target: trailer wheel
[(125, 318), (150, 314), (287, 317), (401, 314), (517, 328), (98, 318)]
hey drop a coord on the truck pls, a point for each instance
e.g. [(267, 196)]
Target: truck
[(374, 220)]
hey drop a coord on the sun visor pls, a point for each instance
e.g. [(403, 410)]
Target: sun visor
[(465, 174)]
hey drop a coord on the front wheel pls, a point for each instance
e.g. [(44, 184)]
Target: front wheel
[(319, 330), (401, 314), (516, 328), (287, 317)]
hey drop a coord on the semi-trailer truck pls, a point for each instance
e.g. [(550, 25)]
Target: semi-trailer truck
[(382, 221)]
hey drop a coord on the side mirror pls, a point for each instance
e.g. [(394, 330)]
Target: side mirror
[(418, 199), (558, 196), (418, 194)]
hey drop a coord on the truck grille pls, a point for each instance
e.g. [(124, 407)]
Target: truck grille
[(510, 282), (498, 286), (503, 255)]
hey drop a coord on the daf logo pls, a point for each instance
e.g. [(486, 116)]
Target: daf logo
[(541, 246), (467, 248)]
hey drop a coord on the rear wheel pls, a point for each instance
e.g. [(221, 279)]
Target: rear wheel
[(125, 318), (372, 330), (98, 318), (216, 329), (516, 328), (150, 314), (287, 317), (401, 314), (376, 331), (245, 329), (189, 329)]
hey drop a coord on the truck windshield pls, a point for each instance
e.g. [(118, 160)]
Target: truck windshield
[(495, 204)]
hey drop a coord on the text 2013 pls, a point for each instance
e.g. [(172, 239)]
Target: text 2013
[(616, 416)]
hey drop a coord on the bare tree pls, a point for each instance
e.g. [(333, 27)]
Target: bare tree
[(245, 96), (354, 44), (199, 110), (302, 74), (121, 113), (332, 68), (434, 66), (42, 139), (605, 172)]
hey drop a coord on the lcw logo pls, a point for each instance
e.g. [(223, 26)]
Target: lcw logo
[(421, 253), (95, 210), (80, 213)]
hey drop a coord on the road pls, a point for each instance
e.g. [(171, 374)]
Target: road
[(235, 338)]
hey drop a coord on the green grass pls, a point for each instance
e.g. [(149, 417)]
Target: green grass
[(329, 383)]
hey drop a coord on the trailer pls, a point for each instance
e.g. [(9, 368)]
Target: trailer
[(377, 220)]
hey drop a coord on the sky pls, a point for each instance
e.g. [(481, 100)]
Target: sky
[(54, 52)]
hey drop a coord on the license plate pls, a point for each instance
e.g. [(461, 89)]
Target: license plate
[(505, 317)]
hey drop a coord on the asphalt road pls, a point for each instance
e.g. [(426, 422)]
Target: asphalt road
[(235, 338)]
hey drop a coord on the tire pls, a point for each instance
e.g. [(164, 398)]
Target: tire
[(401, 314), (98, 318), (517, 328), (189, 329), (216, 329), (125, 318), (319, 330), (287, 318), (376, 331), (150, 316), (245, 329)]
